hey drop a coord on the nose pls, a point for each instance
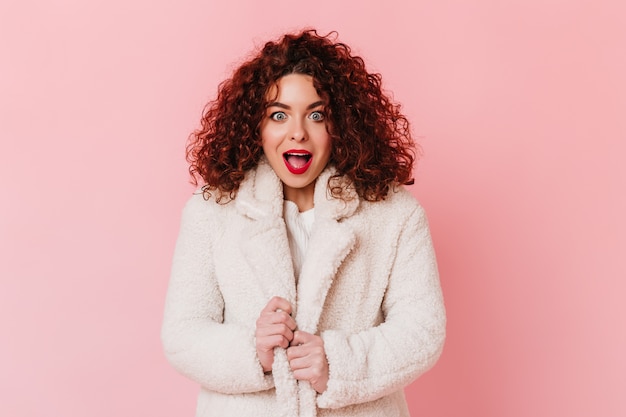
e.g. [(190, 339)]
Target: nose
[(298, 132)]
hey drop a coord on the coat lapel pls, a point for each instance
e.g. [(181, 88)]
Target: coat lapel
[(265, 246), (330, 243), (264, 243)]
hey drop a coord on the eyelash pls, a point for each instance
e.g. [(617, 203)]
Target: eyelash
[(321, 114), (274, 116)]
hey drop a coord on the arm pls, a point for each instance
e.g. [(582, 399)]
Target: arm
[(221, 357), (380, 360)]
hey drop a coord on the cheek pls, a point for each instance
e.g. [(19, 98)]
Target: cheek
[(326, 144), (270, 145), (270, 135), (265, 138)]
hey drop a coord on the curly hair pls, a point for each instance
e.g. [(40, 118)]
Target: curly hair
[(370, 137)]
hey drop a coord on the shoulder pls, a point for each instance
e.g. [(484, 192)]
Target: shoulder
[(199, 208), (398, 202), (198, 202), (398, 213)]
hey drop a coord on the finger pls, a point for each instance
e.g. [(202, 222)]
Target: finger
[(278, 317), (310, 351), (308, 373), (283, 317), (318, 380), (299, 363), (312, 366), (300, 338), (308, 367), (278, 303), (267, 343), (295, 352), (280, 329)]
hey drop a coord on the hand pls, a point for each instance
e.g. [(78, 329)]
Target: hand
[(307, 359), (274, 327)]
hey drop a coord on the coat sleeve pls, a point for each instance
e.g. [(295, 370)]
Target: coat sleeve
[(221, 357), (373, 363)]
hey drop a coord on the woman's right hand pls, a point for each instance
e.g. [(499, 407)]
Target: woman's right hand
[(274, 327)]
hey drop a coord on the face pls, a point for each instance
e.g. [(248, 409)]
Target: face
[(294, 137)]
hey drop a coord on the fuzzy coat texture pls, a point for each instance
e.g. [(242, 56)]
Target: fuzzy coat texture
[(369, 287)]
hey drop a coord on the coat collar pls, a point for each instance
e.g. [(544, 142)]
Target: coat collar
[(261, 195)]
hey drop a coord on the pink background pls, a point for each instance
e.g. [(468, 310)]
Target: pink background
[(520, 107)]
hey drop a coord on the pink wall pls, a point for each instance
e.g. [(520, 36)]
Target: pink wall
[(521, 109)]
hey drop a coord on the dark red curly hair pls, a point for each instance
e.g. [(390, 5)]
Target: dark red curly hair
[(371, 141)]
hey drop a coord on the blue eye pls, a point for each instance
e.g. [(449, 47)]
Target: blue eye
[(278, 116), (317, 116)]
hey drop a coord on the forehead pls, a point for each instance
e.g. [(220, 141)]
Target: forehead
[(293, 89)]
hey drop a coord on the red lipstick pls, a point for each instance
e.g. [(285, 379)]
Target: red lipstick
[(297, 161)]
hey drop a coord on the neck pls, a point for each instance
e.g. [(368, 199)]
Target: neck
[(303, 197)]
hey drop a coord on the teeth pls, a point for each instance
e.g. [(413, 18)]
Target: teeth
[(306, 156)]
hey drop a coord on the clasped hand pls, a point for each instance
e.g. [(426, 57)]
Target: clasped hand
[(305, 351)]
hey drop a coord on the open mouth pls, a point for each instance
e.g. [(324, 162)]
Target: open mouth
[(297, 161)]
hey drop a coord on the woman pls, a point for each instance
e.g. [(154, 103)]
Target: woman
[(304, 280)]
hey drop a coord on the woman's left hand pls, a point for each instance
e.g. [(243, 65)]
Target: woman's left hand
[(307, 359)]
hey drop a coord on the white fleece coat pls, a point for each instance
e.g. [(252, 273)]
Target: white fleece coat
[(369, 287)]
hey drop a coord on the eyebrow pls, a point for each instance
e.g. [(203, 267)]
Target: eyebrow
[(284, 106)]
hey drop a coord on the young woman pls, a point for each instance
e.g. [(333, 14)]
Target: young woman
[(304, 280)]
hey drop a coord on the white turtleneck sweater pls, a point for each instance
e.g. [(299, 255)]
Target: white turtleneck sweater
[(299, 226)]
